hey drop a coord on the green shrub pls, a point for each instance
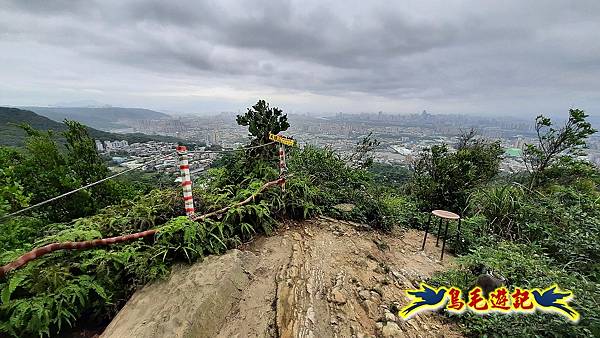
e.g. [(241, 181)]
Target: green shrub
[(473, 234), (501, 206), (566, 224), (54, 291), (384, 210), (443, 179), (390, 175), (525, 266)]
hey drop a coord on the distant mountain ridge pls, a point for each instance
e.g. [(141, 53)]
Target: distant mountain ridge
[(104, 118), (12, 135)]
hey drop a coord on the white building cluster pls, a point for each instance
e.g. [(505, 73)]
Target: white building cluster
[(111, 145)]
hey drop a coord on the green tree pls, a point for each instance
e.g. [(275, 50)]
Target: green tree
[(261, 120), (393, 175), (444, 179), (362, 157), (47, 169), (12, 193), (45, 174), (82, 156), (569, 140)]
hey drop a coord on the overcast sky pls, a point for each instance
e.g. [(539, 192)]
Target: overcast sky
[(478, 57)]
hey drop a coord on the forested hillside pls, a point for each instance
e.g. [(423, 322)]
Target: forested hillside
[(12, 135), (104, 118), (535, 228)]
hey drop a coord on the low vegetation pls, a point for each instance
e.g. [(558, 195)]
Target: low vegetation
[(532, 234), (537, 230)]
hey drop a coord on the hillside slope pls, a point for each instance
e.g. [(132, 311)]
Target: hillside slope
[(104, 118), (318, 278), (11, 135)]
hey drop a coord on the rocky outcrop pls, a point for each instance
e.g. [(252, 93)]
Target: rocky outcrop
[(193, 302), (320, 278)]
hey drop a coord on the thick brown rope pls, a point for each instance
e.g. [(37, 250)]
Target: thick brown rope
[(279, 181), (38, 252)]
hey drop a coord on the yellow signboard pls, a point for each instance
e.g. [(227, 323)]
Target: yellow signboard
[(281, 139)]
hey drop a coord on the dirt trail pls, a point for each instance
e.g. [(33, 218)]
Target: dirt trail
[(318, 278)]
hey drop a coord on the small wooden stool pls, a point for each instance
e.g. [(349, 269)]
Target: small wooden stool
[(448, 216)]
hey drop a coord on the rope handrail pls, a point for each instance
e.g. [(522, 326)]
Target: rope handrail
[(118, 174), (229, 150), (38, 252), (85, 186)]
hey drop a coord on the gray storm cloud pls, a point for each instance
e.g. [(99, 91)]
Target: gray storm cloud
[(507, 57)]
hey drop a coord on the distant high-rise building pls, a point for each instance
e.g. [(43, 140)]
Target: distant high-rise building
[(212, 137), (519, 142), (99, 145)]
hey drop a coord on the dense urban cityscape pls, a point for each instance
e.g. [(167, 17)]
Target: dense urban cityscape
[(401, 136)]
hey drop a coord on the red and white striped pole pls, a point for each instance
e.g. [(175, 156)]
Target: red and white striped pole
[(282, 165), (186, 181)]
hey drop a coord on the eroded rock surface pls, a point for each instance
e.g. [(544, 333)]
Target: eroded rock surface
[(192, 302), (319, 278)]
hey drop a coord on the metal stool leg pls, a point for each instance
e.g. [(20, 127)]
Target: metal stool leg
[(426, 230), (444, 242), (458, 232), (437, 241)]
